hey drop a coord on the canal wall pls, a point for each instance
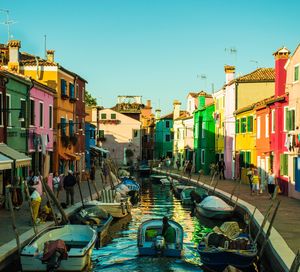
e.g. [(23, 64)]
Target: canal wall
[(278, 254)]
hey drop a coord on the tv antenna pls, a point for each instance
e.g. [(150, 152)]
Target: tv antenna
[(255, 61), (8, 22), (203, 77), (232, 51)]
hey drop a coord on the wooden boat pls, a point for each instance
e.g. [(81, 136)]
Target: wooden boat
[(166, 181), (117, 208), (177, 189), (214, 207), (77, 242), (94, 216), (217, 251), (151, 241), (156, 178), (185, 195)]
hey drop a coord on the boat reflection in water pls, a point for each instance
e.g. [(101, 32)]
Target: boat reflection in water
[(121, 252)]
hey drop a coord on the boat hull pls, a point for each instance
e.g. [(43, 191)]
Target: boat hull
[(214, 214), (219, 259), (148, 251)]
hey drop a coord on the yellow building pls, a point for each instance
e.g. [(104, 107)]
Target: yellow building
[(219, 100), (65, 119)]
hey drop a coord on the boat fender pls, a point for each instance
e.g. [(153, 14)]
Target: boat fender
[(160, 243)]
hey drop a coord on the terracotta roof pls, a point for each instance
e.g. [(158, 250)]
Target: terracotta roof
[(195, 95), (183, 114), (167, 116), (203, 93)]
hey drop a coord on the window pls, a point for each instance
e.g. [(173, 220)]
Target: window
[(168, 138), (32, 115), (113, 116), (71, 89), (202, 156), (23, 111), (289, 119), (1, 109), (8, 113), (135, 133), (101, 134), (50, 116), (41, 114), (296, 73), (103, 116), (243, 124), (283, 164), (71, 127), (167, 124), (83, 93), (63, 86), (250, 124), (273, 121), (267, 125), (258, 128), (63, 126), (237, 126), (203, 129), (77, 91)]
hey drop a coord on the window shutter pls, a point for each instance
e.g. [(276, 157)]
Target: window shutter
[(292, 119), (287, 119), (281, 164), (237, 126), (286, 166), (249, 123)]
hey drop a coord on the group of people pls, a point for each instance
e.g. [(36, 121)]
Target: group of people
[(256, 184)]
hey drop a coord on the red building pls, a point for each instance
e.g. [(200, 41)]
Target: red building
[(278, 136)]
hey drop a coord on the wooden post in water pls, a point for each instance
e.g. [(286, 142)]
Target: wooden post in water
[(269, 230), (30, 207), (14, 222), (50, 202), (296, 263), (64, 217)]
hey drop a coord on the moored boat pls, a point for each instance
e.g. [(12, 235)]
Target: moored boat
[(94, 216), (69, 247), (152, 243), (156, 178), (218, 251), (144, 170), (185, 195), (214, 207), (116, 207), (133, 189)]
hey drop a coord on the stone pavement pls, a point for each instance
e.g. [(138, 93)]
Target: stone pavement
[(23, 219), (287, 221)]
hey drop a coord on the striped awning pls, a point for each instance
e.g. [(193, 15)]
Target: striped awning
[(5, 163), (21, 160)]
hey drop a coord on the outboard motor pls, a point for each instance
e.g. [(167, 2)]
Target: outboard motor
[(159, 243), (54, 253)]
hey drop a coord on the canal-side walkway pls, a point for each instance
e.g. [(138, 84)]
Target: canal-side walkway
[(8, 245), (286, 236)]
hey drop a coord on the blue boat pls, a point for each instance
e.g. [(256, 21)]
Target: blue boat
[(218, 251), (152, 243), (134, 190)]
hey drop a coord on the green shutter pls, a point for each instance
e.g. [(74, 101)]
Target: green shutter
[(248, 159), (281, 164), (292, 120), (237, 126), (296, 74), (287, 119), (286, 165), (250, 124)]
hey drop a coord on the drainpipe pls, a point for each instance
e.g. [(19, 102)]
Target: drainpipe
[(4, 113)]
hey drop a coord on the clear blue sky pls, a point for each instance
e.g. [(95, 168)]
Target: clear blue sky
[(154, 48)]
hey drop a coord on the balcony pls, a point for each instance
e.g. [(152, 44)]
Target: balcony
[(73, 99), (64, 96)]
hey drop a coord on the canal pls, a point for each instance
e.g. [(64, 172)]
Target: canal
[(120, 252)]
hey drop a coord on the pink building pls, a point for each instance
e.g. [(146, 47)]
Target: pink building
[(40, 140)]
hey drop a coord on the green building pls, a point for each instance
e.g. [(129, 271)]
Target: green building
[(204, 133), (163, 146)]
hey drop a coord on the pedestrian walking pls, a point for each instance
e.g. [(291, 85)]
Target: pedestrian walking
[(250, 178), (105, 171), (255, 183), (69, 183), (56, 183), (271, 183), (221, 168), (35, 203), (188, 169), (178, 164)]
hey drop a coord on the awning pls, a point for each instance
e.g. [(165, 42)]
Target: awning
[(20, 159), (73, 157), (5, 163), (99, 149)]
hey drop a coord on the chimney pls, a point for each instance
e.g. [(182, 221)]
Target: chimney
[(201, 99), (148, 104), (281, 56), (229, 73), (13, 62), (50, 55), (157, 114), (176, 109)]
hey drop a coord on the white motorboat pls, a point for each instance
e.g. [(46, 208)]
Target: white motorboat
[(214, 207), (118, 208), (62, 248)]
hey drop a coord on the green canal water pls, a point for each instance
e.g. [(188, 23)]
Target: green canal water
[(120, 252)]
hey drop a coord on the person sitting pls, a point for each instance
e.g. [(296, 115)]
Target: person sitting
[(46, 213), (168, 232)]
